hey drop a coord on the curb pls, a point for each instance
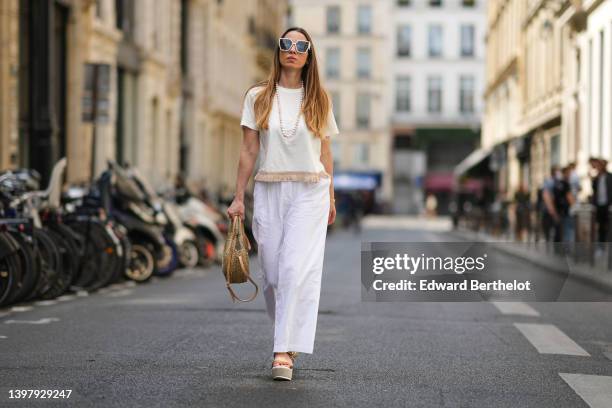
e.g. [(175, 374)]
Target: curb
[(590, 276)]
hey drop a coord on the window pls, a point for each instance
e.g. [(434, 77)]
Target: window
[(467, 40), (333, 19), (403, 3), (469, 3), (119, 7), (364, 64), (332, 63), (404, 40), (602, 53), (250, 24), (156, 32), (99, 11), (336, 106), (184, 49), (361, 153), (435, 40), (363, 110), (555, 150), (466, 94), (402, 98), (435, 3), (364, 19), (124, 16), (434, 94)]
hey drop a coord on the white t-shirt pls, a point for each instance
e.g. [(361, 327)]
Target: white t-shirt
[(297, 158)]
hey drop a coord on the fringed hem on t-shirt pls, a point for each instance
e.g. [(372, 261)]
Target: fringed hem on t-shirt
[(305, 176)]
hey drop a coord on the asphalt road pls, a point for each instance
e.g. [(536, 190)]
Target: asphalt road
[(182, 342)]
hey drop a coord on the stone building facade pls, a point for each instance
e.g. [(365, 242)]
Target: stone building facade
[(352, 43), (548, 81), (167, 77)]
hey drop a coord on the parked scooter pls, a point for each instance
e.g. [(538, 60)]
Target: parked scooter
[(208, 225), (180, 235), (144, 223)]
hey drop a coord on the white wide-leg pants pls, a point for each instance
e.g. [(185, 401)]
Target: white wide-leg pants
[(290, 227)]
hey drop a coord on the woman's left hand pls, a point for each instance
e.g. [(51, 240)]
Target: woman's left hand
[(332, 213)]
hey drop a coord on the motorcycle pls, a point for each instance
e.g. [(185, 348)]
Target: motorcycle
[(183, 238)]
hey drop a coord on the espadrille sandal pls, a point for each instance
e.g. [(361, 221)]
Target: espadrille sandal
[(284, 370)]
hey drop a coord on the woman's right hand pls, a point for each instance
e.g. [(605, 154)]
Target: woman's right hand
[(237, 207)]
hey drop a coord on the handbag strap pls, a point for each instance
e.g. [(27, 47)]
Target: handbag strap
[(231, 291), (242, 234)]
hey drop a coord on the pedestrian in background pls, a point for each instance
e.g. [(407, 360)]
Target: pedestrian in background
[(551, 221), (289, 119), (431, 205), (522, 212), (564, 201), (574, 180), (602, 198)]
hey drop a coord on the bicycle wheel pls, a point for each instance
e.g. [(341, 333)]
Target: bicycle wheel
[(67, 265), (30, 266), (8, 268), (50, 262), (93, 258), (75, 243)]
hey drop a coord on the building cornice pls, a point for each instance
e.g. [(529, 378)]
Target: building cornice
[(510, 69), (557, 7)]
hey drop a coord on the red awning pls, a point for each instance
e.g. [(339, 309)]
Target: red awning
[(439, 181)]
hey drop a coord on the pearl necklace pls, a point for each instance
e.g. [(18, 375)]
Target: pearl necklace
[(280, 116)]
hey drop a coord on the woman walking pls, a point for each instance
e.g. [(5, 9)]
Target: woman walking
[(289, 120)]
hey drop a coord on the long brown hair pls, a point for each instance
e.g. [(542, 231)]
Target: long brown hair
[(316, 103)]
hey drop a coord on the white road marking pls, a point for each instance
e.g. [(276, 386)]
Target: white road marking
[(595, 390), (45, 302), (3, 337), (65, 298), (412, 222), (183, 300), (21, 308), (45, 320), (119, 293), (548, 339), (516, 308)]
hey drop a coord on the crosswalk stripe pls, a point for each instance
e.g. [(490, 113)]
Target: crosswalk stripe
[(548, 339), (516, 308), (595, 390)]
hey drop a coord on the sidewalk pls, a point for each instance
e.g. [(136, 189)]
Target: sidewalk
[(595, 276)]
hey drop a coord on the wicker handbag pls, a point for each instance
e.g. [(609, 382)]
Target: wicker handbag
[(235, 264)]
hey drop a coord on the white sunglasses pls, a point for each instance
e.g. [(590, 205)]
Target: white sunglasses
[(301, 46)]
